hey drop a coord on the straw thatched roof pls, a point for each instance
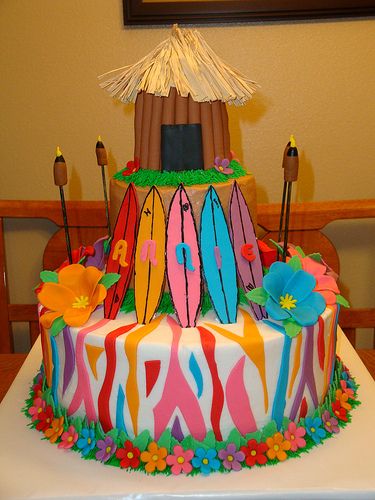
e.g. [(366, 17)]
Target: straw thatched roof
[(186, 62)]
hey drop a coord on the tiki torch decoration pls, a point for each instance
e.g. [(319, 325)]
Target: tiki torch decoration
[(290, 166), (101, 157), (61, 179)]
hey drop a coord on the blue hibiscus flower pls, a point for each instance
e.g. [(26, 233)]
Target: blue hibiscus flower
[(291, 296), (314, 429), (205, 460), (87, 441)]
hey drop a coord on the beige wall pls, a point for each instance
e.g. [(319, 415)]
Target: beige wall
[(317, 78)]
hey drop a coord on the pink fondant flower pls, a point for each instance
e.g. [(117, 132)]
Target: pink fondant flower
[(180, 460), (347, 390), (231, 457), (330, 423), (222, 166), (68, 438), (325, 283), (295, 435), (255, 452), (37, 409)]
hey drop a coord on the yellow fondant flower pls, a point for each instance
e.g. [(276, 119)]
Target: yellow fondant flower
[(154, 457), (74, 297)]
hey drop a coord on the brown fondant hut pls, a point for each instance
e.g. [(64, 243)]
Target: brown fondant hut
[(180, 92)]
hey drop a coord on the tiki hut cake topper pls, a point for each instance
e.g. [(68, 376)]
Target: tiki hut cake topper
[(180, 92)]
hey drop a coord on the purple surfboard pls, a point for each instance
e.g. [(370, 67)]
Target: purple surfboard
[(242, 233)]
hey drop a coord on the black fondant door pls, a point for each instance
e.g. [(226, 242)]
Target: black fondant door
[(181, 147)]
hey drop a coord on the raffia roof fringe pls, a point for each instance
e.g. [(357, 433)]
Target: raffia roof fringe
[(184, 61)]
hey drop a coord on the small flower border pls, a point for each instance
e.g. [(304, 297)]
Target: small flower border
[(167, 447)]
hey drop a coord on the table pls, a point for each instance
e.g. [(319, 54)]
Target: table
[(344, 467)]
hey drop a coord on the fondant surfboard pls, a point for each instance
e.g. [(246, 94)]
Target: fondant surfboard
[(183, 259), (121, 255), (245, 246), (218, 261), (149, 257)]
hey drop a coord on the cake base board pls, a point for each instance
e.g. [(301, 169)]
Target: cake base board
[(32, 468)]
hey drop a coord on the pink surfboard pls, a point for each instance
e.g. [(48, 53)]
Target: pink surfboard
[(245, 246), (183, 259)]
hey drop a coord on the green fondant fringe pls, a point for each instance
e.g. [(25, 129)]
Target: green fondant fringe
[(167, 441), (166, 305), (144, 177)]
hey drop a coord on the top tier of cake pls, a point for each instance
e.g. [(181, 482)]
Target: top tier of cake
[(180, 92)]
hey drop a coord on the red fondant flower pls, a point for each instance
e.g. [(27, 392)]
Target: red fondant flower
[(131, 167), (45, 419), (39, 405), (254, 453), (347, 390), (128, 456), (339, 411)]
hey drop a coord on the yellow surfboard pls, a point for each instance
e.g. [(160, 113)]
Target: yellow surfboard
[(150, 257)]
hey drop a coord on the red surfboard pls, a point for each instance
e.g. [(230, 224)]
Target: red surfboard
[(121, 256)]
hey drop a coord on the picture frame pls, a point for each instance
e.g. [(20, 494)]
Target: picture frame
[(148, 12)]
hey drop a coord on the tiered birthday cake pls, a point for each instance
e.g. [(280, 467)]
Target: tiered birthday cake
[(180, 344)]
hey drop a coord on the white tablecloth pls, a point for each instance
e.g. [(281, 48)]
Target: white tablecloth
[(344, 467)]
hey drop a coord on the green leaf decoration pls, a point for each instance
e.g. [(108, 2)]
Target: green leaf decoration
[(47, 396), (49, 277), (220, 445), (107, 245), (113, 433), (122, 437), (209, 441), (234, 437), (189, 443), (57, 326), (300, 251), (258, 295), (142, 440), (278, 247), (165, 440), (342, 301), (269, 430), (77, 423), (109, 279), (316, 256), (257, 435), (99, 433), (295, 263), (292, 329), (286, 421)]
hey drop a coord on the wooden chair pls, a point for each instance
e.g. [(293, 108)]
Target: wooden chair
[(87, 223)]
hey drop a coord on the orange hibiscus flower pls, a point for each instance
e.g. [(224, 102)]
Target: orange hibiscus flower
[(74, 297), (154, 457)]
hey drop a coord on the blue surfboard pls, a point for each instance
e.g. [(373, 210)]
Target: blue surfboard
[(218, 259)]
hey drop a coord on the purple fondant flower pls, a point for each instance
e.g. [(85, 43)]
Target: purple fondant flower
[(330, 423), (291, 296), (222, 166), (231, 457), (107, 447)]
